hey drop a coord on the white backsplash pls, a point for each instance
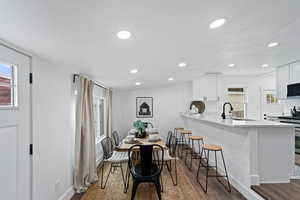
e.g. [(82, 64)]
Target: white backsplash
[(288, 104)]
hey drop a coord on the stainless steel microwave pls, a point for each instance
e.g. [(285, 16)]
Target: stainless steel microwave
[(293, 90)]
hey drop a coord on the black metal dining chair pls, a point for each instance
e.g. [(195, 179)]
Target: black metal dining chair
[(114, 158), (147, 168), (169, 156), (116, 138), (170, 133)]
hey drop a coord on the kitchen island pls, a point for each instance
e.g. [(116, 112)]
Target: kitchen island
[(255, 151)]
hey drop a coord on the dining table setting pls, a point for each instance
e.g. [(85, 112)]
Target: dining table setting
[(151, 136)]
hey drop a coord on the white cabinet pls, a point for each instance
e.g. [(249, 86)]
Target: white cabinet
[(282, 80), (205, 88), (295, 73)]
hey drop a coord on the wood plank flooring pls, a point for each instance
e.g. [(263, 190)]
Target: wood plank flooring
[(279, 191), (187, 188)]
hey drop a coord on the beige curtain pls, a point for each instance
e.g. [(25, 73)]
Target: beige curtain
[(108, 111), (85, 154)]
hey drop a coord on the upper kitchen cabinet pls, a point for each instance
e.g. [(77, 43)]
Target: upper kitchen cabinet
[(205, 88), (282, 80), (295, 73)]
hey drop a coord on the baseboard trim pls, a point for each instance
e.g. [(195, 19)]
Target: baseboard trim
[(67, 195)]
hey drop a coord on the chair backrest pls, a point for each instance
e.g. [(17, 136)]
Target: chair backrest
[(170, 133), (149, 156), (116, 138), (173, 146), (108, 147)]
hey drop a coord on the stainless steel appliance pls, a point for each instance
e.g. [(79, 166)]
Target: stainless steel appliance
[(293, 90)]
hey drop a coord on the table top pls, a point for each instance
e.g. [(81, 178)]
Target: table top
[(142, 141)]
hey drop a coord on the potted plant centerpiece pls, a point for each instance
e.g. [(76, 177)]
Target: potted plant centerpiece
[(141, 129)]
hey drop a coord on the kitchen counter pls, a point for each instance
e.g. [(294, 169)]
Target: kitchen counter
[(255, 152), (235, 123)]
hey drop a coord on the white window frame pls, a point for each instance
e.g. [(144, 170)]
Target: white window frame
[(14, 87)]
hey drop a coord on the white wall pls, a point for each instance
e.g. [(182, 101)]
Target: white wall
[(168, 102), (53, 131)]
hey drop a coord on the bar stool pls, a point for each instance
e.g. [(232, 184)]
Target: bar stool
[(214, 148), (183, 141), (193, 152), (176, 131)]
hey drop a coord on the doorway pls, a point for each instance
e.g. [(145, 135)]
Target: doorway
[(15, 125)]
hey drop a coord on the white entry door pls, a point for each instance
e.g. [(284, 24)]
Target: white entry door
[(15, 164)]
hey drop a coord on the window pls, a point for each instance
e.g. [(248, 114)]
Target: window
[(98, 108), (8, 86), (270, 97), (237, 97)]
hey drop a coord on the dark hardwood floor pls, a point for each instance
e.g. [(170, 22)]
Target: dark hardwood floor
[(279, 191)]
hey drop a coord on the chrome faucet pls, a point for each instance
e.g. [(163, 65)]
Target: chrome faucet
[(224, 105)]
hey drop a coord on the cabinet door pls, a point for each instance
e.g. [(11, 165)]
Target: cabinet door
[(211, 87), (282, 79), (197, 90), (295, 73)]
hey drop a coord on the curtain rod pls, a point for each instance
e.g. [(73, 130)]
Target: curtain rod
[(78, 75)]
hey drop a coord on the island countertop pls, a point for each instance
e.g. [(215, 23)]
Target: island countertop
[(235, 123)]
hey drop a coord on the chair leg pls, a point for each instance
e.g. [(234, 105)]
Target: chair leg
[(199, 166), (229, 187), (124, 180), (134, 188), (158, 187), (103, 186), (192, 154), (127, 176), (170, 172), (161, 183), (207, 169)]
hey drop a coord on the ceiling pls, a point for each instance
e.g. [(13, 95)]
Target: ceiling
[(81, 35)]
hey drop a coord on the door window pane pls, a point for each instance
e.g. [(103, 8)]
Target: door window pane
[(8, 86)]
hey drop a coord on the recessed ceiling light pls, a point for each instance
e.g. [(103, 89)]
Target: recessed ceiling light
[(133, 71), (231, 65), (217, 23), (183, 64), (273, 44), (170, 79), (138, 83), (265, 65), (124, 35)]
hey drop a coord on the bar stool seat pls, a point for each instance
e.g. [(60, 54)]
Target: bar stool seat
[(192, 151), (186, 132), (214, 148), (194, 137)]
